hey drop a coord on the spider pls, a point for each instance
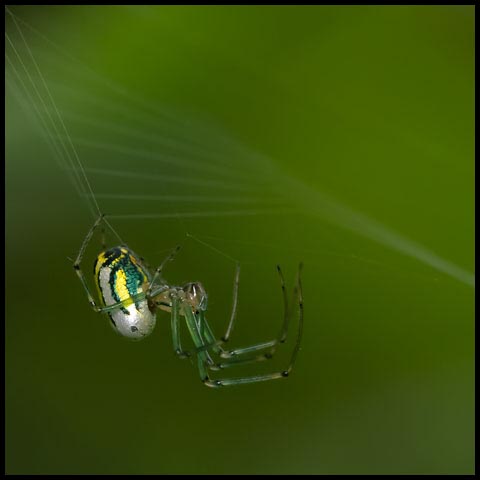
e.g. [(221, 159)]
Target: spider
[(131, 295)]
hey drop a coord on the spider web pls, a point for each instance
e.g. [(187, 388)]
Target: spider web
[(162, 169)]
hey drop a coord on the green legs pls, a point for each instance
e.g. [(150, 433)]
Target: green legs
[(177, 345), (233, 316), (204, 340)]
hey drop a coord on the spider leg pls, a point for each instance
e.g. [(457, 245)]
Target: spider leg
[(203, 356), (272, 343), (123, 303), (299, 292), (210, 342), (76, 264), (206, 334), (194, 329), (286, 315), (216, 345), (177, 345), (207, 331), (215, 383), (159, 269), (283, 332), (255, 378), (233, 315), (203, 349)]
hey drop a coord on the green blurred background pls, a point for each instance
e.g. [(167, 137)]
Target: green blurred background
[(273, 135)]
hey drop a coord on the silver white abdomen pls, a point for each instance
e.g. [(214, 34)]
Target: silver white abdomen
[(119, 276)]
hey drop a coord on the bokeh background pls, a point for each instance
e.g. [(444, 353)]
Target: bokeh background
[(340, 136)]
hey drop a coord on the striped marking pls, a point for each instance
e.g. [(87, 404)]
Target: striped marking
[(118, 277)]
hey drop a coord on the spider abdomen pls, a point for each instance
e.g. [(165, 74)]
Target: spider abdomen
[(121, 277)]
